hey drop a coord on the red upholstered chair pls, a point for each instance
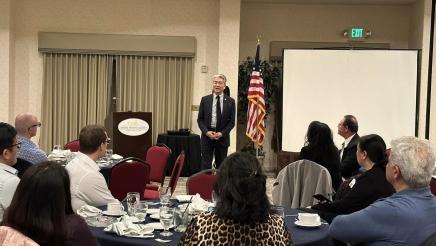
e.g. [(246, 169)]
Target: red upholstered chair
[(129, 175), (202, 183), (433, 186), (157, 156), (175, 174), (74, 145)]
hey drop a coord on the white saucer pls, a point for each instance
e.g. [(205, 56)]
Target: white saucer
[(305, 225), (153, 211), (155, 216), (114, 214), (157, 225)]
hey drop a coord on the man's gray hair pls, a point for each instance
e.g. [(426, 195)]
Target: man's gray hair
[(221, 76), (415, 158)]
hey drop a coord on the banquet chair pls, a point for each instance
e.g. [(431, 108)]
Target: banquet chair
[(12, 237), (202, 183), (22, 166), (73, 146), (150, 194), (296, 184), (157, 156), (433, 185), (129, 175)]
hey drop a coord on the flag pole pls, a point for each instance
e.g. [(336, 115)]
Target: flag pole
[(257, 111)]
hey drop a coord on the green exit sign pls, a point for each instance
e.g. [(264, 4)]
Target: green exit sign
[(357, 32)]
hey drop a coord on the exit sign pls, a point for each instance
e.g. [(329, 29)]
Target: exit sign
[(357, 33)]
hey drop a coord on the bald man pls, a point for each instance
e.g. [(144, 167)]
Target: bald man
[(27, 126)]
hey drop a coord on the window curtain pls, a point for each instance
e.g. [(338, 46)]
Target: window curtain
[(161, 85), (75, 94)]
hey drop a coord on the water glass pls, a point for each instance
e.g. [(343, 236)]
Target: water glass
[(166, 216), (108, 155), (280, 211), (181, 219), (164, 195), (141, 210), (132, 199)]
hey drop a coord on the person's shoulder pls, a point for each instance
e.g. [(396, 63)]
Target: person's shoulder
[(229, 98)]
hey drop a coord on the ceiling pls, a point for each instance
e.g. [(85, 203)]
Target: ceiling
[(346, 2)]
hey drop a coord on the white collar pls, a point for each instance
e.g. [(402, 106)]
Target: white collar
[(8, 169), (348, 140), (84, 158)]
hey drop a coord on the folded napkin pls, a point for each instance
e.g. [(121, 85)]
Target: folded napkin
[(126, 227), (116, 157), (88, 211), (59, 153), (198, 205)]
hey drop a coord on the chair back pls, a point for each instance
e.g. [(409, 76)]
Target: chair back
[(177, 169), (202, 183), (298, 182), (12, 237), (22, 166), (73, 146), (129, 175), (433, 185), (157, 156)]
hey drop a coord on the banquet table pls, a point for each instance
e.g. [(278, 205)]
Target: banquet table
[(300, 236)]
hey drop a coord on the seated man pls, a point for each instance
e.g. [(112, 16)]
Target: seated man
[(88, 185), (27, 127), (408, 216), (8, 157)]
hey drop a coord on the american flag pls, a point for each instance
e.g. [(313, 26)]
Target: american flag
[(256, 104)]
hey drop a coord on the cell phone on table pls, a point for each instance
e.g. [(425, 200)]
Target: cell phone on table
[(321, 198)]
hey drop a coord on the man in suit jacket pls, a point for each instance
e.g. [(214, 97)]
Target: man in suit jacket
[(348, 128), (216, 118)]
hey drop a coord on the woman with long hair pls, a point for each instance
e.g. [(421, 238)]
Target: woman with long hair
[(320, 148), (367, 187), (243, 215), (41, 208)]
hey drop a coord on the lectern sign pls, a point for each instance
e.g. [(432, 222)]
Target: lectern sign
[(133, 127)]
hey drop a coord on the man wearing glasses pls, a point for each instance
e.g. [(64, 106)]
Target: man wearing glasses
[(27, 126), (88, 186), (8, 158)]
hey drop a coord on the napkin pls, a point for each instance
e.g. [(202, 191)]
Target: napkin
[(116, 157), (88, 211), (126, 227), (198, 205)]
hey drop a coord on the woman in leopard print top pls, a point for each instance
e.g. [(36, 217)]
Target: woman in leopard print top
[(243, 215)]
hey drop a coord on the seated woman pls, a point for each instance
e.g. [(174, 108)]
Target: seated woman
[(320, 148), (242, 215), (41, 208), (366, 188)]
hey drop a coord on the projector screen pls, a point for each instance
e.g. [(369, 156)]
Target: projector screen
[(379, 87)]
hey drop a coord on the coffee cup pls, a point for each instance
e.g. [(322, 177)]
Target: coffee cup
[(308, 218), (114, 208)]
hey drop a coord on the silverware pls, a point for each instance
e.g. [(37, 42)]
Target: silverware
[(162, 240)]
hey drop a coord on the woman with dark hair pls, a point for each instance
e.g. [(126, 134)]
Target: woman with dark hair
[(366, 188), (320, 148), (41, 208), (243, 214)]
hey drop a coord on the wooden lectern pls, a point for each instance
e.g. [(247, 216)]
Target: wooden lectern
[(130, 133)]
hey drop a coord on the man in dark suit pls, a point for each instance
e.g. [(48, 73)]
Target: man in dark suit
[(348, 128), (216, 118)]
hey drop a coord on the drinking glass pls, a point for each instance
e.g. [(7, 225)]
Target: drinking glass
[(280, 211), (132, 199), (181, 219), (108, 155), (164, 195), (141, 210), (166, 216)]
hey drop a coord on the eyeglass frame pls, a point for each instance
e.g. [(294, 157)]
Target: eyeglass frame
[(39, 124), (107, 141), (18, 144)]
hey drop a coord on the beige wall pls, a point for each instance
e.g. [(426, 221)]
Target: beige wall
[(6, 58)]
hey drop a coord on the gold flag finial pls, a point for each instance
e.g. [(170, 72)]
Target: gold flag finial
[(258, 38)]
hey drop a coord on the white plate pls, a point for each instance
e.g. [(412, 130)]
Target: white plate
[(114, 214), (155, 216), (184, 198), (153, 211), (314, 225), (157, 226)]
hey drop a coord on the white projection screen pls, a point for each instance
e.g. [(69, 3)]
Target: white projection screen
[(379, 87)]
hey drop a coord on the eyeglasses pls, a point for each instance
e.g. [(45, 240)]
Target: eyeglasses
[(39, 124), (108, 140), (18, 144)]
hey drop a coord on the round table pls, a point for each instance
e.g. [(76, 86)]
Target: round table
[(300, 236)]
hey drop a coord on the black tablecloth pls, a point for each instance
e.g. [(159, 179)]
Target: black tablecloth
[(190, 144), (301, 237)]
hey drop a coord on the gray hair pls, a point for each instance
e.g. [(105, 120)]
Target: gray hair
[(415, 158), (221, 76)]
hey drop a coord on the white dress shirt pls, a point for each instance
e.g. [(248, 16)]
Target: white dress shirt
[(214, 102), (8, 184), (345, 144), (88, 186)]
